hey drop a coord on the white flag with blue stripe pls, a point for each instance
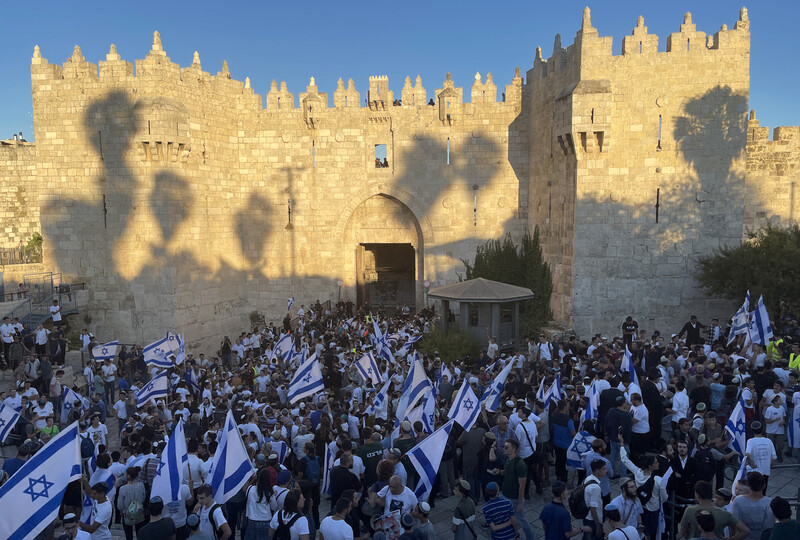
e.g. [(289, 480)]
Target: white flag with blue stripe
[(760, 329), (554, 392), (284, 347), (327, 465), (30, 499), (156, 388), (740, 323), (379, 404), (594, 402), (307, 380), (737, 427), (414, 387), (177, 344), (628, 365), (169, 476), (68, 403), (429, 411), (280, 448), (465, 407), (231, 468), (369, 369), (191, 381), (289, 303), (157, 353), (8, 419), (540, 392), (106, 351), (426, 458), (581, 444), (491, 396)]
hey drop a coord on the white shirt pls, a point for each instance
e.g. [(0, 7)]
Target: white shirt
[(41, 336), (335, 529), (300, 526), (397, 504), (7, 332), (593, 497), (120, 409), (205, 523), (177, 510), (108, 372), (680, 404), (526, 434), (643, 423), (775, 428), (43, 413), (762, 452), (101, 429), (257, 511), (625, 533), (491, 350), (639, 477), (55, 311), (195, 465), (101, 513)]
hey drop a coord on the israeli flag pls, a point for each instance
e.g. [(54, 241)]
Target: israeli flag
[(554, 392), (581, 443), (280, 448), (32, 496), (740, 474), (307, 380), (369, 369), (169, 476), (540, 393), (407, 345), (289, 304), (414, 387), (740, 323), (491, 396), (284, 347), (429, 411), (177, 344), (106, 351), (378, 405), (794, 424), (68, 403), (157, 353), (426, 458), (327, 465), (465, 407), (8, 419), (736, 428), (628, 365), (760, 326), (156, 388), (191, 381), (231, 467)]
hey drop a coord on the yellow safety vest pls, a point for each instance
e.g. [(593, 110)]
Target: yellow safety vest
[(773, 352), (794, 361)]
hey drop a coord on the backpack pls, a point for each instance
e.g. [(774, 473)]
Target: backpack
[(312, 472), (87, 447), (217, 531), (134, 514), (577, 501), (706, 464), (284, 532), (645, 491)]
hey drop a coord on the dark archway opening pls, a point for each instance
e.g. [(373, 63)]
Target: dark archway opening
[(385, 275)]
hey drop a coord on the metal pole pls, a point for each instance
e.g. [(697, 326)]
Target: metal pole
[(672, 516)]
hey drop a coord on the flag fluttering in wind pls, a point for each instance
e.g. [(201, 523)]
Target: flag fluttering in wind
[(32, 497), (491, 396), (414, 387), (426, 458), (465, 407), (307, 380), (8, 419), (231, 468), (106, 351), (169, 476), (760, 329), (740, 323), (736, 427), (156, 388), (369, 369), (158, 353)]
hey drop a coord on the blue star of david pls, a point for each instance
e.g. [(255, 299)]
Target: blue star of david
[(36, 494), (160, 466), (105, 351), (2, 422), (468, 404), (369, 371), (307, 378), (740, 426), (172, 338), (67, 405), (798, 420), (582, 446)]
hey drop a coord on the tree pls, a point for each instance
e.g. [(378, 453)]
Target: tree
[(766, 263), (522, 265)]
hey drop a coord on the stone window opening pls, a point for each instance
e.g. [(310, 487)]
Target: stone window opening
[(448, 150), (687, 44), (592, 117), (313, 155), (381, 161)]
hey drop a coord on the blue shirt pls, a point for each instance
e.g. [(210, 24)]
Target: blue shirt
[(605, 483), (557, 521), (499, 511)]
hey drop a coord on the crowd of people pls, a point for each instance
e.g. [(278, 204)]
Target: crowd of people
[(648, 424)]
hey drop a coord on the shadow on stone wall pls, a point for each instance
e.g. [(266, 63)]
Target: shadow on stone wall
[(647, 264)]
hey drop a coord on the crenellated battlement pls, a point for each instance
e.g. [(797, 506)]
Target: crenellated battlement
[(158, 67), (591, 48)]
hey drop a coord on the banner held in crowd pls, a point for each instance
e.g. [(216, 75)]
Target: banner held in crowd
[(231, 467)]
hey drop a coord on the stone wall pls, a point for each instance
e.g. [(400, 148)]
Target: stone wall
[(772, 174), (19, 197), (620, 134), (175, 188)]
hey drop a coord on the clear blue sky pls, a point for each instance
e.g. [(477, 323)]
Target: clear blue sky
[(293, 41)]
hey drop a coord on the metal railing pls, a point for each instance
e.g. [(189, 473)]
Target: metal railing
[(19, 255)]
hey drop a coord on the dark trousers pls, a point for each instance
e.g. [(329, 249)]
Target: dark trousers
[(234, 511), (561, 463), (311, 493), (531, 461), (7, 353)]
